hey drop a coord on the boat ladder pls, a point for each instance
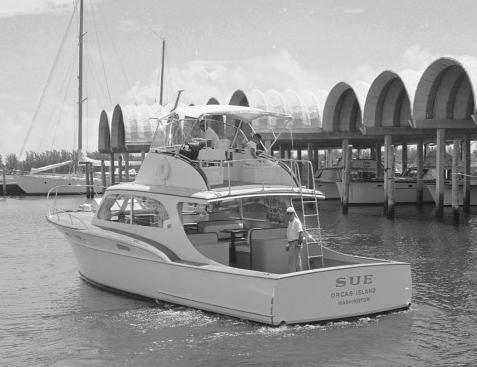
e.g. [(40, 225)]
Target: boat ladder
[(311, 218)]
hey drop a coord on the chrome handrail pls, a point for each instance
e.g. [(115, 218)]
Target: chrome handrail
[(54, 211), (293, 168)]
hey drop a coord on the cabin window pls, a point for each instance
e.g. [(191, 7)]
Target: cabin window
[(138, 210), (115, 208), (258, 211), (266, 209), (149, 212)]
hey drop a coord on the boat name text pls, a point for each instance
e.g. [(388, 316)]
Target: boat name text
[(354, 280)]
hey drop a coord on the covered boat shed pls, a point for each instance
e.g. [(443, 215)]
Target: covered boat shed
[(440, 110)]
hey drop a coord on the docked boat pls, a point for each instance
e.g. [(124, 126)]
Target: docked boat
[(325, 181), (203, 225), (430, 174), (431, 188), (366, 187), (37, 182)]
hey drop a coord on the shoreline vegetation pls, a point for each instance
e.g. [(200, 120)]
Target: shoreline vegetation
[(13, 164)]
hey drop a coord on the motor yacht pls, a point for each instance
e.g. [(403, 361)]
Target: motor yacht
[(203, 225), (367, 188)]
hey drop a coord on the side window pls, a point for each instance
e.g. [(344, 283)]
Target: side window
[(149, 212), (115, 208)]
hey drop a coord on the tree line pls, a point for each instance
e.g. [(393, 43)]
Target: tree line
[(12, 163), (32, 159)]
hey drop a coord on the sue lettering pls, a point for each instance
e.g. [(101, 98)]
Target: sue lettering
[(354, 280)]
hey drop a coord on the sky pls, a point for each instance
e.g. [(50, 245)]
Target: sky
[(213, 47)]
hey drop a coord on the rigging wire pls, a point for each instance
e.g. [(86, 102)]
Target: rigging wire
[(95, 76), (113, 45), (52, 116), (98, 40), (67, 81), (43, 93)]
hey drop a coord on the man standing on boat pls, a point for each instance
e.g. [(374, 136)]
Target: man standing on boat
[(295, 239)]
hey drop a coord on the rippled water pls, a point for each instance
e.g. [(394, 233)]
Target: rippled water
[(50, 317)]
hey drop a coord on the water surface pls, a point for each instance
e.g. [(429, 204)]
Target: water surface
[(50, 317)]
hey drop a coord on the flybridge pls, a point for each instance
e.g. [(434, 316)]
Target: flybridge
[(231, 124), (246, 114)]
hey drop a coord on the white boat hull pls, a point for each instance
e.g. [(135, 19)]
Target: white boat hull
[(126, 264), (372, 192), (431, 188), (41, 184)]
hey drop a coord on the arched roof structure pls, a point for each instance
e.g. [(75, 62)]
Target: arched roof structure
[(342, 112), (104, 135), (213, 100), (302, 106), (133, 127), (217, 124), (311, 102), (117, 130), (445, 93), (239, 99), (443, 98), (295, 107), (257, 99), (387, 102)]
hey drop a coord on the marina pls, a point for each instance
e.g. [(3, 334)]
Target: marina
[(285, 186)]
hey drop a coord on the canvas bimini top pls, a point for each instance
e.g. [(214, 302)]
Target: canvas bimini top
[(232, 123), (246, 114)]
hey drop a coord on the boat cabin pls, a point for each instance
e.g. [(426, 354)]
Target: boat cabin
[(248, 231), (207, 201)]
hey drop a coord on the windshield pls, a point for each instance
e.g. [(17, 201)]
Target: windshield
[(229, 133)]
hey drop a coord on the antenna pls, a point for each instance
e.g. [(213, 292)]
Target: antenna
[(162, 71), (179, 92)]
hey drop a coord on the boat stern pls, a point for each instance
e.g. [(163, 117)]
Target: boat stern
[(342, 292)]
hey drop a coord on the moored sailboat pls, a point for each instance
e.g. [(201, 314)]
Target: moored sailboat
[(39, 183)]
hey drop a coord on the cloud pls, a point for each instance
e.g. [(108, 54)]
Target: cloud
[(10, 8), (418, 58), (220, 78)]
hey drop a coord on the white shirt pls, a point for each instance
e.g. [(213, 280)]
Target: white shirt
[(293, 230)]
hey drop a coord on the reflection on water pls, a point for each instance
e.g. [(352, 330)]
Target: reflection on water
[(50, 317)]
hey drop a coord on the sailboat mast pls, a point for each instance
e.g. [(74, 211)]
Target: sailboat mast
[(80, 82), (162, 71)]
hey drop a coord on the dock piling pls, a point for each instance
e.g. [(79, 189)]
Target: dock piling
[(441, 148), (455, 181), (346, 153)]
